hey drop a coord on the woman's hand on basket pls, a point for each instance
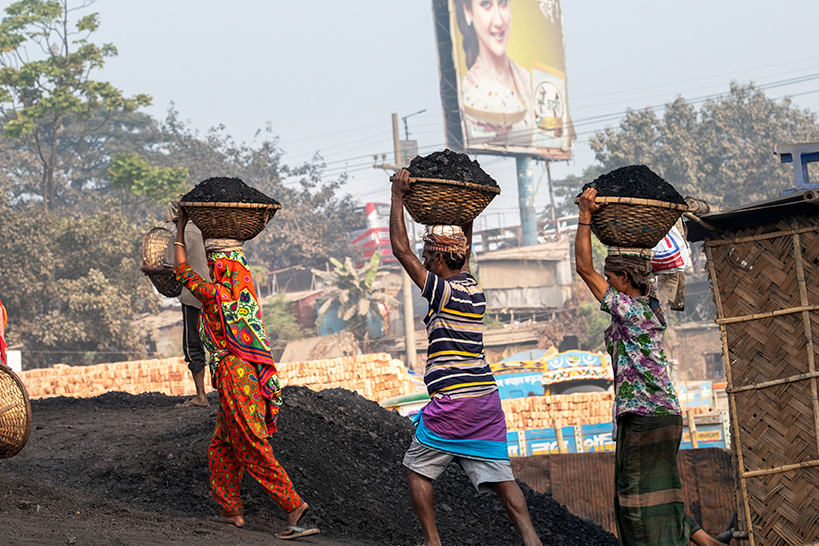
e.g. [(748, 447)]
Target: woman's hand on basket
[(401, 183), (182, 217), (588, 207)]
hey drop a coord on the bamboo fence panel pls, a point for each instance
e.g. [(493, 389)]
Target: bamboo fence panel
[(765, 281)]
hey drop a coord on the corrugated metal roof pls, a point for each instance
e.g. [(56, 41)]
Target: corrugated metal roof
[(799, 203), (553, 251)]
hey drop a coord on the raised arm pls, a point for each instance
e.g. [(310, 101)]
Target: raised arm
[(202, 290), (179, 244), (468, 234), (583, 249), (398, 231)]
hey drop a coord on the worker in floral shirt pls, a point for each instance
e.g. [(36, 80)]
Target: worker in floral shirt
[(649, 506)]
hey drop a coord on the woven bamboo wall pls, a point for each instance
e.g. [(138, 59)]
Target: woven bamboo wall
[(766, 288)]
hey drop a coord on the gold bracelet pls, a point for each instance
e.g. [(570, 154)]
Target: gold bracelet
[(180, 244)]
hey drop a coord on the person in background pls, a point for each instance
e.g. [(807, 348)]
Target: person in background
[(3, 346), (244, 374), (464, 420), (649, 506), (191, 306)]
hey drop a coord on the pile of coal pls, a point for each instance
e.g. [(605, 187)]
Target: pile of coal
[(343, 453), (635, 181), (226, 190), (449, 165)]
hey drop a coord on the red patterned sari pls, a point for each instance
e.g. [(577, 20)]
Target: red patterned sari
[(244, 372)]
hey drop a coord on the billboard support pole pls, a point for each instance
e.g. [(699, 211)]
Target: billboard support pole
[(555, 223), (406, 282), (526, 200)]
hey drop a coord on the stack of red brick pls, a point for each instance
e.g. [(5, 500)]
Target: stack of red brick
[(535, 412), (374, 376), (168, 375)]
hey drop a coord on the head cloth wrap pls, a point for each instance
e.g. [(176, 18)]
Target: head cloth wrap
[(445, 239), (223, 245), (637, 263)]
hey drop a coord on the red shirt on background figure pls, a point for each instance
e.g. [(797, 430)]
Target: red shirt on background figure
[(3, 345)]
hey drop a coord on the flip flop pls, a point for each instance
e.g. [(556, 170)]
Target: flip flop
[(297, 532), (220, 519)]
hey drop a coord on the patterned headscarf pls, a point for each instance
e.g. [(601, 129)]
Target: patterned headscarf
[(243, 326), (445, 239), (637, 263)]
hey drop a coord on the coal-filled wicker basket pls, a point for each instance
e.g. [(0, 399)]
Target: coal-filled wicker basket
[(433, 201), (154, 245), (242, 221), (633, 222), (15, 414)]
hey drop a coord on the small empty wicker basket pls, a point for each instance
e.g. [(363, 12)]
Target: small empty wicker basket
[(241, 221), (433, 201), (154, 245), (15, 414), (633, 222)]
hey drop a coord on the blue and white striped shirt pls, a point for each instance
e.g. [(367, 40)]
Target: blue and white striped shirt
[(456, 364)]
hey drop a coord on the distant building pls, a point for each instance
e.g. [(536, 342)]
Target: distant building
[(527, 278)]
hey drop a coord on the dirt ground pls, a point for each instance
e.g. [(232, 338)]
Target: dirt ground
[(122, 469)]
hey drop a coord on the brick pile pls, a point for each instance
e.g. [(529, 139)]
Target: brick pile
[(374, 376), (167, 375), (535, 412)]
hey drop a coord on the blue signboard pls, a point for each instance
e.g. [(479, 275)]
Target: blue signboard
[(519, 385), (597, 438)]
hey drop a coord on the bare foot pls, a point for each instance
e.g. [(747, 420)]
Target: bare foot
[(236, 521), (295, 515), (200, 402)]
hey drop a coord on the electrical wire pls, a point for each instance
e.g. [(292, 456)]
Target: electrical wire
[(358, 164)]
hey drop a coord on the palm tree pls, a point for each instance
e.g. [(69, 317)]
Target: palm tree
[(353, 291)]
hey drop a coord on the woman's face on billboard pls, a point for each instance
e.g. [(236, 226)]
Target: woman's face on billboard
[(492, 20)]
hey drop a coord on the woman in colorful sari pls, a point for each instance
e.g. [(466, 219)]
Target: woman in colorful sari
[(244, 373), (649, 507)]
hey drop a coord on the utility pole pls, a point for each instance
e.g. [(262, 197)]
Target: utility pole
[(406, 282), (409, 312), (552, 199), (404, 119)]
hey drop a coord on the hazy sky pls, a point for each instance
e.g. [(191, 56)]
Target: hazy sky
[(327, 75)]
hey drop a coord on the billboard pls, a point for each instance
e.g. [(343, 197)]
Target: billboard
[(503, 77)]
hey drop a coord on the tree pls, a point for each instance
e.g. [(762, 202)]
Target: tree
[(566, 189), (306, 230), (38, 97), (354, 293), (722, 153), (280, 323), (73, 286), (135, 175)]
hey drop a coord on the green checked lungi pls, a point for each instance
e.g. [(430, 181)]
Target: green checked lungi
[(648, 503)]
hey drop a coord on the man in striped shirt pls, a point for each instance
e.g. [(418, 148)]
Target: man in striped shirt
[(464, 419)]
